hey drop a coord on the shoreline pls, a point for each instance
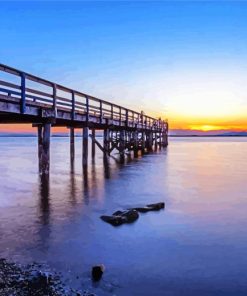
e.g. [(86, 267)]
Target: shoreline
[(34, 279)]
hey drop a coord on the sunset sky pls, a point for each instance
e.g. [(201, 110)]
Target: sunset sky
[(185, 61)]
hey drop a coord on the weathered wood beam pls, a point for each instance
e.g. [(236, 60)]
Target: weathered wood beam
[(106, 141), (135, 143), (122, 145), (97, 143), (143, 142), (44, 132), (155, 141), (85, 147), (72, 144), (93, 143)]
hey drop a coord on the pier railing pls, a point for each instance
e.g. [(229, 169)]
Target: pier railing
[(28, 89)]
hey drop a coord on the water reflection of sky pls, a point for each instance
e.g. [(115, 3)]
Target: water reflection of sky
[(197, 246)]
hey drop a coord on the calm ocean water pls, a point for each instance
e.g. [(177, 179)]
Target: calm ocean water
[(196, 246)]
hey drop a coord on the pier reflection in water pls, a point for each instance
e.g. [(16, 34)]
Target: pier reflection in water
[(198, 244)]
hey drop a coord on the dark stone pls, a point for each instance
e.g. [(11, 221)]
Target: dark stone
[(113, 220), (119, 217), (150, 207), (97, 272), (130, 216), (2, 284), (142, 209), (40, 281), (118, 213), (157, 206)]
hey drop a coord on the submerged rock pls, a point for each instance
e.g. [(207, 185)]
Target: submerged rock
[(117, 213), (120, 217), (113, 220), (97, 272), (157, 206), (142, 209), (151, 207), (130, 215)]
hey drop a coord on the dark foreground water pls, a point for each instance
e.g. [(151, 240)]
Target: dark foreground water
[(196, 246)]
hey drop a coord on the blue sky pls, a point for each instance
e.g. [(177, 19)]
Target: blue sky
[(182, 60)]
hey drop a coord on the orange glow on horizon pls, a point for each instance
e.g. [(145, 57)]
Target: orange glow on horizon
[(27, 128), (206, 128), (237, 122)]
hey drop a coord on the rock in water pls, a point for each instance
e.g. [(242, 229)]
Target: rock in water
[(130, 216), (113, 220), (142, 209), (118, 213), (97, 272), (157, 206), (151, 207), (119, 217)]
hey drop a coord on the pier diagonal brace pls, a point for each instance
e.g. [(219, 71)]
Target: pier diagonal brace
[(98, 144)]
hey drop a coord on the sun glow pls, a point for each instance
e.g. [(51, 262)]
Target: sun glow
[(206, 127)]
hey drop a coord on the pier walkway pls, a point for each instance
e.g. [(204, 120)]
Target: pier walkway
[(25, 98)]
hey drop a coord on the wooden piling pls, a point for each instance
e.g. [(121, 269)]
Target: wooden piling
[(150, 141), (106, 142), (93, 143), (44, 132), (165, 139), (136, 144), (160, 140), (122, 145), (72, 144), (85, 147), (39, 128), (143, 142), (155, 141)]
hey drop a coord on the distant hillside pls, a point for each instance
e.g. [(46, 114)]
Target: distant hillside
[(233, 134), (213, 133)]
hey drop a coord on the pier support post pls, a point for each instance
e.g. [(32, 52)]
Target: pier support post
[(160, 140), (155, 141), (122, 145), (85, 147), (165, 139), (106, 142), (150, 141), (143, 142), (44, 132), (72, 144), (93, 143), (136, 144)]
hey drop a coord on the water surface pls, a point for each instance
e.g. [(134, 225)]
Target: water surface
[(196, 246)]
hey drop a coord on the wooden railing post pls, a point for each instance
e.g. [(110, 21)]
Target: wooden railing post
[(127, 117), (23, 93), (87, 109), (101, 112), (55, 100), (111, 112), (120, 115), (73, 105)]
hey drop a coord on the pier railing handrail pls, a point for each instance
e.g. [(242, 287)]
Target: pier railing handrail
[(55, 101)]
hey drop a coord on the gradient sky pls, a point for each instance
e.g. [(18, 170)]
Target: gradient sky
[(186, 61)]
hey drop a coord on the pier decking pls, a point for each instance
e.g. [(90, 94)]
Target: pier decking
[(25, 98)]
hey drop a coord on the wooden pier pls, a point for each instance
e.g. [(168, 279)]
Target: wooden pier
[(25, 98)]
